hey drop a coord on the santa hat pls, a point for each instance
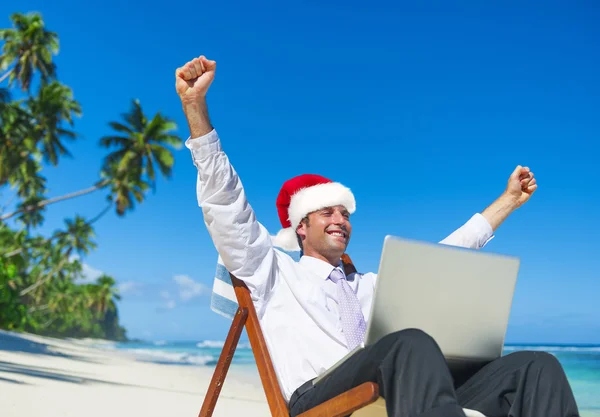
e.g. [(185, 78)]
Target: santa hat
[(302, 195)]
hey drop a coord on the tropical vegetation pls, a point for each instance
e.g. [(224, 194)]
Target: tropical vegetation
[(42, 285)]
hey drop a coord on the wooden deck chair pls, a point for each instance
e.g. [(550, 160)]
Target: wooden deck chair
[(360, 401)]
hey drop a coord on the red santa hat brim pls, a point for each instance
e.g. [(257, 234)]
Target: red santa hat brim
[(308, 200)]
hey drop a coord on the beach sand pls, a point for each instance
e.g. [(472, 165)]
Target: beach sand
[(42, 376)]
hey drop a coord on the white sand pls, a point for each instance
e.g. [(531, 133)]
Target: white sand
[(41, 376), (47, 377)]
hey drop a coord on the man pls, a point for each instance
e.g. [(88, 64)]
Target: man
[(312, 314)]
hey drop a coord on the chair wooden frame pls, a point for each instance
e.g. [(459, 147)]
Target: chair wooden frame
[(339, 406)]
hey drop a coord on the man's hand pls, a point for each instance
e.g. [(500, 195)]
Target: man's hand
[(194, 78), (521, 185), (192, 82)]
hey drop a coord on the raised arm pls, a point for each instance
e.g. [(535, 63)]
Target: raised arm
[(521, 185), (480, 228), (242, 242)]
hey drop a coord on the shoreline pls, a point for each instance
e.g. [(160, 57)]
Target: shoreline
[(72, 377), (67, 378)]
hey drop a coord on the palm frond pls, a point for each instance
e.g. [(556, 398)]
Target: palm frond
[(156, 127), (113, 159), (175, 141), (136, 117), (108, 141), (68, 134), (139, 196), (121, 128), (164, 159), (129, 160), (150, 169)]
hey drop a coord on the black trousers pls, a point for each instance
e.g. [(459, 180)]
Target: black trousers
[(415, 380)]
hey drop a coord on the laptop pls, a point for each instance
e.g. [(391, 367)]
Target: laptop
[(461, 297)]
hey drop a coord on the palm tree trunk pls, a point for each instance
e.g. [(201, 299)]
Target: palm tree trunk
[(49, 322), (102, 213), (33, 309), (6, 74), (49, 201), (47, 277)]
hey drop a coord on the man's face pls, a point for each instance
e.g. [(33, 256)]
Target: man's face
[(327, 232)]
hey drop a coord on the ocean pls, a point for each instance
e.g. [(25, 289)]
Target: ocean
[(581, 362)]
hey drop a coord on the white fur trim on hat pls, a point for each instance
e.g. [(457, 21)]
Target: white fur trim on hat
[(317, 197), (286, 239)]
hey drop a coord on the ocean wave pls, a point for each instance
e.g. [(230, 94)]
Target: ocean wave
[(218, 344), (173, 358), (210, 344), (207, 352), (550, 348), (94, 343)]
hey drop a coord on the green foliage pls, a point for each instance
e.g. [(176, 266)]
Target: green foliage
[(41, 289), (29, 47)]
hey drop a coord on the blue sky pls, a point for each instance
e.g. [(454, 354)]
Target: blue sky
[(422, 109)]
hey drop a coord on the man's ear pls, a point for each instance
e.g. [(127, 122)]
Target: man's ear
[(301, 229)]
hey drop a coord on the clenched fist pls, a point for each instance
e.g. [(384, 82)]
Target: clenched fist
[(194, 78), (521, 185)]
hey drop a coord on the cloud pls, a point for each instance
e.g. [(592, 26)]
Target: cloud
[(169, 303), (188, 288), (89, 274), (130, 287), (181, 289)]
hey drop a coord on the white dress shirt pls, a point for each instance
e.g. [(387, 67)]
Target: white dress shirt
[(295, 302)]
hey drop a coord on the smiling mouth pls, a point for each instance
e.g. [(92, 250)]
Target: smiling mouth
[(338, 233)]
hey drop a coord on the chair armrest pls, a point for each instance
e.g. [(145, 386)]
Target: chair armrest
[(346, 403)]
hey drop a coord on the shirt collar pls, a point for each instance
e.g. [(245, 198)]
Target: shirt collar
[(321, 268)]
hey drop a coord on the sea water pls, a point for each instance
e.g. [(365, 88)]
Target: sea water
[(580, 362)]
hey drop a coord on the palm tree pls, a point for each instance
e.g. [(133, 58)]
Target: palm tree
[(53, 106), (22, 241), (15, 126), (78, 238), (31, 131), (142, 148), (105, 294), (31, 187), (143, 145), (29, 47), (32, 218), (126, 187)]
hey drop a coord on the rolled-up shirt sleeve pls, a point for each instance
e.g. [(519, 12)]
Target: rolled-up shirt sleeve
[(242, 242), (474, 234)]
